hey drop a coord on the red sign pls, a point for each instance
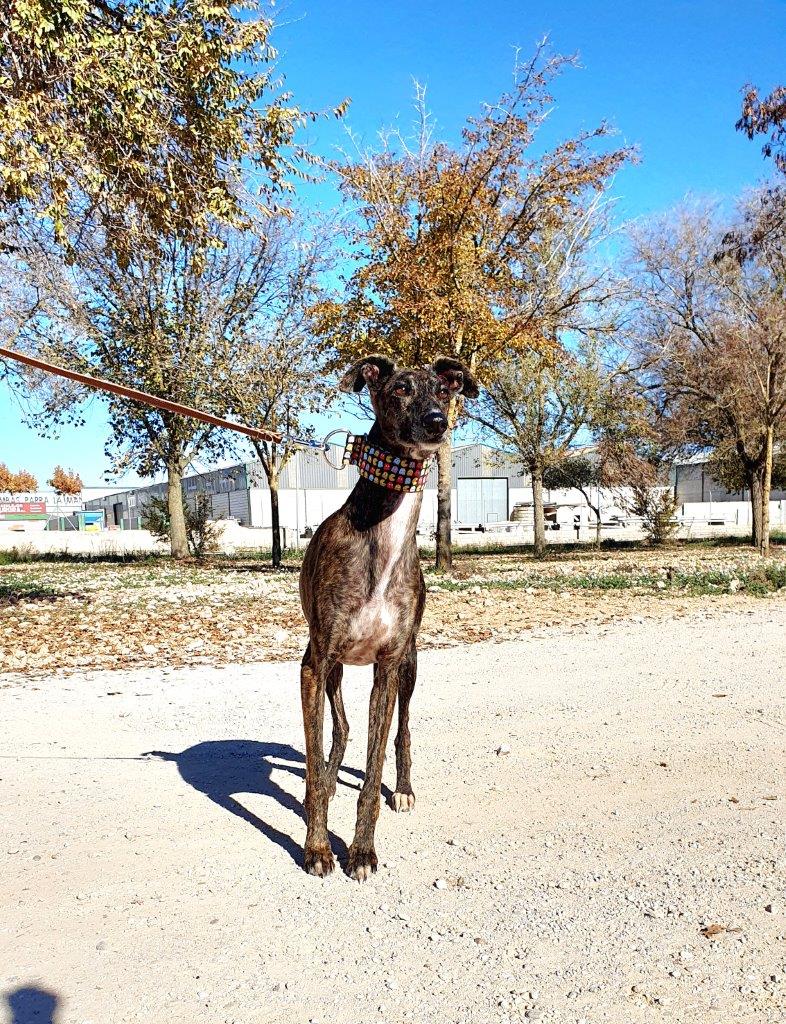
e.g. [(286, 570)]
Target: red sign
[(22, 506)]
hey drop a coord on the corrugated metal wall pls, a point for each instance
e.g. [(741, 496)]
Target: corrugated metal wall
[(693, 483), (309, 472), (476, 460)]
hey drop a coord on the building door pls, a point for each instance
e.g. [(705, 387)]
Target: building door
[(482, 500), (117, 513)]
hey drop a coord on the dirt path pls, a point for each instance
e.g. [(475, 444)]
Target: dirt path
[(576, 872)]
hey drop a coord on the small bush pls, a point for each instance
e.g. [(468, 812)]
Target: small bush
[(201, 531), (657, 510)]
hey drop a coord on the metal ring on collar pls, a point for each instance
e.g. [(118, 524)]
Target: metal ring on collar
[(326, 448)]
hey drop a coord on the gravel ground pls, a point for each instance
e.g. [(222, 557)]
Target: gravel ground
[(598, 837)]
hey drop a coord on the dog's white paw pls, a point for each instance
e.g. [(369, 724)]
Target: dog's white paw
[(361, 863), (402, 802)]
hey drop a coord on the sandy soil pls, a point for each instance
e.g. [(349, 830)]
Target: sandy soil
[(623, 862)]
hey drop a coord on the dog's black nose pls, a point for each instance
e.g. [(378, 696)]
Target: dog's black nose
[(435, 422)]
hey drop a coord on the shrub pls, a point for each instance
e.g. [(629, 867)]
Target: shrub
[(200, 529), (656, 507)]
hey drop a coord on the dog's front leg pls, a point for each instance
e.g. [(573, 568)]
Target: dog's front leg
[(403, 799), (362, 859), (318, 859)]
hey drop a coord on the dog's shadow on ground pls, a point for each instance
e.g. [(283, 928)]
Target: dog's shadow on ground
[(32, 1005), (223, 768)]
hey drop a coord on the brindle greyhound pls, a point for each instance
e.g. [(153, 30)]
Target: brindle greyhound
[(362, 593)]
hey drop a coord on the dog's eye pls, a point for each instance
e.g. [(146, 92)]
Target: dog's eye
[(443, 391), (402, 389)]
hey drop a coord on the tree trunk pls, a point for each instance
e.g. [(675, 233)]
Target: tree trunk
[(275, 521), (764, 543), (178, 537), (444, 516), (537, 502), (756, 487), (595, 510)]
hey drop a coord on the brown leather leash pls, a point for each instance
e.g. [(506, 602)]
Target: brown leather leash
[(135, 395)]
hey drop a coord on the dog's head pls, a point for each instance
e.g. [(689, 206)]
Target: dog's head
[(411, 405)]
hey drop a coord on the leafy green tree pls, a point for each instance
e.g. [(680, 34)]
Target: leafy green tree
[(133, 135), (537, 405), (725, 466)]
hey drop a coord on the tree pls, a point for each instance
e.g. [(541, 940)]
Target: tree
[(584, 474), (565, 384), (65, 481), (149, 106), (441, 238), (717, 338), (761, 116), (24, 481), (174, 322), (712, 334), (656, 507), (279, 377), (16, 483), (538, 404), (132, 134), (725, 466)]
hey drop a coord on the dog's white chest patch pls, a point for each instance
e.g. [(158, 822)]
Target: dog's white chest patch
[(374, 625)]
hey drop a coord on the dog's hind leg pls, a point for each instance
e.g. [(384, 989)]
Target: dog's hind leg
[(340, 729), (318, 859), (403, 799), (362, 858)]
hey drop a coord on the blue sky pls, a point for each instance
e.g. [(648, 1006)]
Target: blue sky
[(667, 74)]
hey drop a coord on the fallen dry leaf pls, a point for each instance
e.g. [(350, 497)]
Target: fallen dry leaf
[(711, 931), (103, 615)]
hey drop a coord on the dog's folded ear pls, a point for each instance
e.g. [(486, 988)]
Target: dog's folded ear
[(373, 371), (457, 376)]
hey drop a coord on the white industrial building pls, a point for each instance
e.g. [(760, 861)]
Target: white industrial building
[(491, 498), (486, 487)]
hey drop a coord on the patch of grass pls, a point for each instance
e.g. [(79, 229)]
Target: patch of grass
[(552, 550), (759, 582), (578, 550), (23, 556), (289, 557), (14, 591), (576, 581), (608, 581)]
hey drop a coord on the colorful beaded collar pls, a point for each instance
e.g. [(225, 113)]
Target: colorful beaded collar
[(394, 472)]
